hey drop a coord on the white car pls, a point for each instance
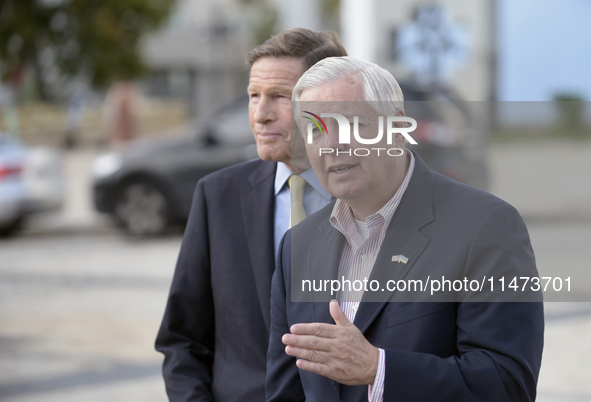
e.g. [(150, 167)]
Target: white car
[(31, 181)]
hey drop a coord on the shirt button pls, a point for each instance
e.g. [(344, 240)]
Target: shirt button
[(364, 257), (355, 308)]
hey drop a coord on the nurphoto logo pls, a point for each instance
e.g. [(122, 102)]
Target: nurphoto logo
[(394, 125)]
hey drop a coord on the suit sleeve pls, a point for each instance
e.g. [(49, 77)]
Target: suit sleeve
[(499, 343), (283, 379), (186, 336)]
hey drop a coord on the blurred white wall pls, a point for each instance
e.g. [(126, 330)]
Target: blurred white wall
[(359, 30)]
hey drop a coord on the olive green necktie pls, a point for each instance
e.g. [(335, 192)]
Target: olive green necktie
[(296, 186)]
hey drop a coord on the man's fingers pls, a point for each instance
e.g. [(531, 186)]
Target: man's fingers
[(337, 314), (314, 367), (306, 342), (317, 329), (321, 329), (308, 354)]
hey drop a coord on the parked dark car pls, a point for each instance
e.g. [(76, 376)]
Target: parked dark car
[(148, 186)]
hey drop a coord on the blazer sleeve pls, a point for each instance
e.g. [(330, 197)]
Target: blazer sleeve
[(186, 335), (283, 379), (499, 343)]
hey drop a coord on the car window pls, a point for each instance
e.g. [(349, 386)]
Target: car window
[(232, 127), (229, 125)]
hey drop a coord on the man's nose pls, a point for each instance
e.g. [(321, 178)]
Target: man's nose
[(330, 139), (264, 110)]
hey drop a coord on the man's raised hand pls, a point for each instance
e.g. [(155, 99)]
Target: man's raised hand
[(338, 351)]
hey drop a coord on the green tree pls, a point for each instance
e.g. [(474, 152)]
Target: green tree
[(98, 40)]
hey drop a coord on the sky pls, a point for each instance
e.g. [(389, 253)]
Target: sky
[(544, 48)]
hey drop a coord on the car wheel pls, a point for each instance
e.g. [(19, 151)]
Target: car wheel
[(142, 209), (12, 228)]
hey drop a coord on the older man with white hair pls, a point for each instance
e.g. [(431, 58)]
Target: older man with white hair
[(394, 221)]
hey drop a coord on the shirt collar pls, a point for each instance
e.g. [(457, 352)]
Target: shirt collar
[(342, 218), (282, 174)]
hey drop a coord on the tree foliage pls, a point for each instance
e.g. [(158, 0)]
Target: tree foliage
[(98, 40)]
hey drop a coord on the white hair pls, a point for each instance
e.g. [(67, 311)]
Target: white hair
[(380, 88)]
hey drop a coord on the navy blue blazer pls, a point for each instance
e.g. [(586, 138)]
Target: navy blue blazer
[(471, 347), (215, 330)]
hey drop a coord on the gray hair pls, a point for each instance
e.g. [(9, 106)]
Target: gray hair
[(379, 86)]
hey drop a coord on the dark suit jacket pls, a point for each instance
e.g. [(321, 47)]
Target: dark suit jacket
[(215, 330), (473, 348)]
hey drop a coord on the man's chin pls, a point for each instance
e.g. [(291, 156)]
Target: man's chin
[(271, 155), (348, 194)]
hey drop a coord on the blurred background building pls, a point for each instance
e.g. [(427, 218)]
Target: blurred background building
[(199, 57)]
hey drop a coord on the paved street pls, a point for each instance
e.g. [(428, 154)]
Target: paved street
[(80, 304), (79, 315)]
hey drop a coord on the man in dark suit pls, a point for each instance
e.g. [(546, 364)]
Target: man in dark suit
[(215, 330), (396, 226)]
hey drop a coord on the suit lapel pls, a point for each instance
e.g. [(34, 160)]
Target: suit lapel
[(403, 237), (258, 211), (318, 262), (324, 258)]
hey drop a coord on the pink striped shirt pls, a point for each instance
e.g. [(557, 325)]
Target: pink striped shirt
[(359, 255)]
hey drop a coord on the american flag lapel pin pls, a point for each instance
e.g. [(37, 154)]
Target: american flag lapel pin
[(400, 259)]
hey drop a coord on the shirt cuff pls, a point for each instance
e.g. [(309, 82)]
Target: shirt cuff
[(375, 392)]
